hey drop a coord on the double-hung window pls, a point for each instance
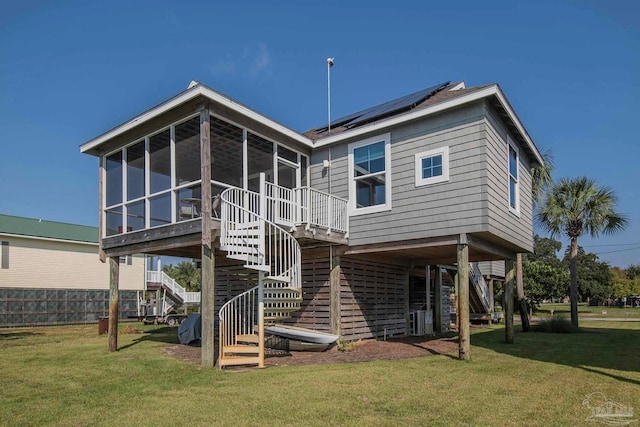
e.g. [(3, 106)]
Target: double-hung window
[(514, 185), (432, 166), (370, 172), (4, 255)]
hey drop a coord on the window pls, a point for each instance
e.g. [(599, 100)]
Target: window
[(126, 259), (4, 255), (370, 171), (432, 166), (514, 186)]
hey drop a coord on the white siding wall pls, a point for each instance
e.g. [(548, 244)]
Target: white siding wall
[(45, 264)]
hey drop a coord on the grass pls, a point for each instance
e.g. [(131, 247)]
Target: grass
[(585, 311), (65, 376)]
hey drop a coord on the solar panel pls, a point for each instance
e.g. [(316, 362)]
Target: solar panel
[(398, 104), (388, 107)]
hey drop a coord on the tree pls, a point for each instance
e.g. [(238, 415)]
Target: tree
[(545, 276), (574, 207), (626, 282), (595, 281), (540, 181), (633, 272)]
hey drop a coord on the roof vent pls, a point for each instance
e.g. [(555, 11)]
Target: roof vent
[(192, 84)]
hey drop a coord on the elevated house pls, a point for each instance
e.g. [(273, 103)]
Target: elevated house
[(50, 274), (345, 228)]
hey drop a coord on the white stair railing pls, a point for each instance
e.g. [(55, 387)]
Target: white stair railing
[(238, 316), (173, 287), (248, 232), (481, 285), (281, 208), (247, 235)]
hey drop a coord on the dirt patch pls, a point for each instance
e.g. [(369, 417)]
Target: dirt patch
[(362, 351)]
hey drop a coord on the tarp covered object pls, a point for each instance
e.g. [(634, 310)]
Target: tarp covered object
[(190, 329)]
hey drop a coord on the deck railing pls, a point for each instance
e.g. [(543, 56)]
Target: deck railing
[(306, 206), (173, 287)]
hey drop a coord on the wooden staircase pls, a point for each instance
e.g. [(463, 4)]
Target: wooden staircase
[(246, 234)]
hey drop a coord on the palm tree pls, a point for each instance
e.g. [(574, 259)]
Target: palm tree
[(574, 207), (540, 181)]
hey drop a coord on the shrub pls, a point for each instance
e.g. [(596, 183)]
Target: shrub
[(556, 325), (346, 346)]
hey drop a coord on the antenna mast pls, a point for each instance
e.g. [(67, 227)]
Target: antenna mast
[(329, 65)]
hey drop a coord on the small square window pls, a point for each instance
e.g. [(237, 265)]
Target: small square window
[(432, 166)]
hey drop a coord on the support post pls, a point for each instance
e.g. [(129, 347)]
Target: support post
[(492, 303), (510, 277), (336, 304), (464, 335), (114, 273), (428, 286), (407, 296), (208, 294), (261, 275), (437, 293), (207, 307)]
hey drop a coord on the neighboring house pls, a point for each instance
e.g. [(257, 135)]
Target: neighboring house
[(347, 228), (50, 274)]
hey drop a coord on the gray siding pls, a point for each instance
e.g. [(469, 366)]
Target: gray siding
[(474, 200), (434, 210), (492, 268), (503, 223)]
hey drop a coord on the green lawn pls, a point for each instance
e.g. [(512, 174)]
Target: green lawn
[(585, 311), (65, 376)]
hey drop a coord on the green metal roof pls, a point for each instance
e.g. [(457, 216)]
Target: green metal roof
[(47, 229)]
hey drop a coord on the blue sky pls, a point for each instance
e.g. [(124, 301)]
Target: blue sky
[(71, 70)]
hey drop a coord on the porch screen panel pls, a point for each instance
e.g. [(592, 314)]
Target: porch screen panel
[(160, 210), (114, 220), (135, 215), (135, 171), (187, 151), (260, 159), (303, 171), (189, 202), (160, 161), (114, 179), (226, 152), (286, 176)]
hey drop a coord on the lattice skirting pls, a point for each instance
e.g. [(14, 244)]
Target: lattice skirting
[(35, 307)]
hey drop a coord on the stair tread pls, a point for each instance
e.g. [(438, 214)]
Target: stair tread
[(281, 279), (253, 338), (238, 360), (258, 267), (266, 300), (241, 349)]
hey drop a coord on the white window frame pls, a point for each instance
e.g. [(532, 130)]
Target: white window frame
[(353, 209), (515, 210), (444, 152)]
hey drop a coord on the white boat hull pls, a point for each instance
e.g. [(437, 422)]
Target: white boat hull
[(301, 334)]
